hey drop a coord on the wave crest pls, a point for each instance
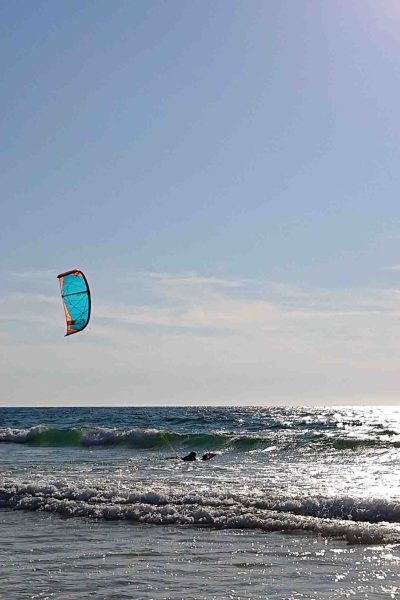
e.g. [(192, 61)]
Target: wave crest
[(134, 438), (139, 438)]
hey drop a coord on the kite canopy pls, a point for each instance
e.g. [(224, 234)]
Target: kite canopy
[(76, 298)]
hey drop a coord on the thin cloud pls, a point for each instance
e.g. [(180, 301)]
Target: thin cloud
[(29, 274), (240, 342), (189, 278)]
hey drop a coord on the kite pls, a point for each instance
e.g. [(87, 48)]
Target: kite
[(76, 299)]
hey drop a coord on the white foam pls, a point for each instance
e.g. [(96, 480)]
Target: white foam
[(20, 436), (216, 510), (102, 436)]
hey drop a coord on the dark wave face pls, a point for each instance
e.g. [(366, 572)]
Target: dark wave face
[(148, 439)]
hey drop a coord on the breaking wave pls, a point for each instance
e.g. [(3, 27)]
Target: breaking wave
[(156, 439), (133, 438), (359, 521)]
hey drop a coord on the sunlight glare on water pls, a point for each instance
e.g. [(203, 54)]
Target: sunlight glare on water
[(316, 490)]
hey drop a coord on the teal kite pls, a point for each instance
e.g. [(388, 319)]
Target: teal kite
[(75, 294)]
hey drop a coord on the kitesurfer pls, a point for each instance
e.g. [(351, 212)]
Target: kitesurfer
[(190, 456)]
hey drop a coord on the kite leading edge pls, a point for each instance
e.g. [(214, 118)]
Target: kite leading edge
[(75, 294)]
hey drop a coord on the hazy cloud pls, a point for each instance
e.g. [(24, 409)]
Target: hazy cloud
[(197, 339)]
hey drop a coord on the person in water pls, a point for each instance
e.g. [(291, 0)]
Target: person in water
[(208, 456), (190, 456)]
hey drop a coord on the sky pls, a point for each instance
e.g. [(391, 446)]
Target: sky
[(227, 175)]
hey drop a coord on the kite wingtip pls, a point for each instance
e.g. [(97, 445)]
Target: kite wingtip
[(71, 272)]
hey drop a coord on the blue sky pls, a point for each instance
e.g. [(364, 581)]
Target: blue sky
[(227, 175)]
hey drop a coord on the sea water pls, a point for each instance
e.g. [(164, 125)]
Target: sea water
[(297, 503)]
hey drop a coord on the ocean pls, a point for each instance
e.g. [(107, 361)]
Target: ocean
[(298, 503)]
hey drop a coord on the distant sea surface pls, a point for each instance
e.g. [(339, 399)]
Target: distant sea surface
[(298, 503)]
